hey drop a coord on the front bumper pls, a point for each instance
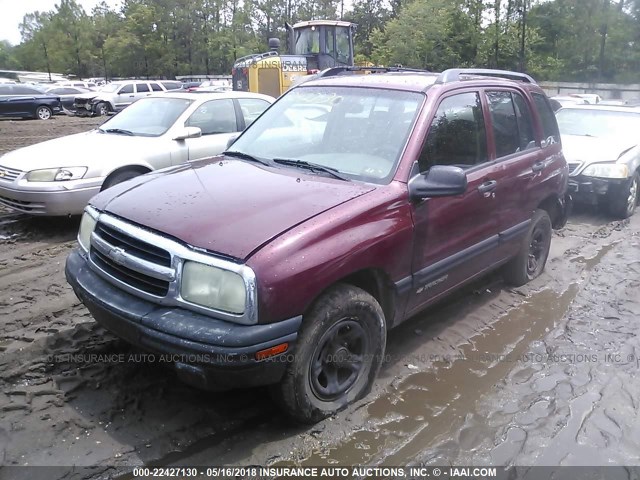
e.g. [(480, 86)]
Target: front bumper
[(208, 353), (593, 190), (60, 199)]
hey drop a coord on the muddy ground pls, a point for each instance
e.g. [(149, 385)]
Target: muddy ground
[(545, 374)]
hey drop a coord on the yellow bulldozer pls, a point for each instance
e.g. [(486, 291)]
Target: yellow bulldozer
[(313, 46)]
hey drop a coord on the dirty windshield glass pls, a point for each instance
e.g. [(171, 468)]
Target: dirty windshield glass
[(148, 117), (356, 131), (598, 123)]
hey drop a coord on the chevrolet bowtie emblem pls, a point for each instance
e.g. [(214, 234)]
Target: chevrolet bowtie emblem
[(118, 255), (3, 173)]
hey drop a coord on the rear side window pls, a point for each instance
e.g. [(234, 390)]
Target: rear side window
[(215, 116), (251, 109), (549, 125), (156, 88), (457, 135), (128, 88), (511, 123), (504, 123), (142, 87), (525, 122)]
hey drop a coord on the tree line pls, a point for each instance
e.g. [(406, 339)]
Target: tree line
[(571, 40)]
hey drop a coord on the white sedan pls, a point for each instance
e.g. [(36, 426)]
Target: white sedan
[(58, 177)]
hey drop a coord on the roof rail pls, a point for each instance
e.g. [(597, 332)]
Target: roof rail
[(330, 72), (454, 74)]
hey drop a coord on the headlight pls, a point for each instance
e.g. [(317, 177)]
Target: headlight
[(213, 287), (56, 174), (606, 170), (87, 226)]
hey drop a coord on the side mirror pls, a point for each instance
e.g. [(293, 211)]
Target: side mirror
[(439, 181), (188, 132), (231, 140)]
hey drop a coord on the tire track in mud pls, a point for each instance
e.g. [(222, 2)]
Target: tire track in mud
[(35, 299)]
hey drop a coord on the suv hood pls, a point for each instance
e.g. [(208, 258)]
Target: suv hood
[(226, 206), (581, 149)]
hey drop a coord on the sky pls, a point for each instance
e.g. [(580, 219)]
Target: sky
[(14, 10)]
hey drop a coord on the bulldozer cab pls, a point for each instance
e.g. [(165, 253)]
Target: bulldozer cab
[(325, 43), (312, 46)]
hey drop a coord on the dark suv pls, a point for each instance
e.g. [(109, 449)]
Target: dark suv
[(351, 204)]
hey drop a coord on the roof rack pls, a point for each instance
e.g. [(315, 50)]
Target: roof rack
[(330, 72), (454, 74)]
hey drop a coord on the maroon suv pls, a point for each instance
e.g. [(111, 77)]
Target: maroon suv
[(351, 204)]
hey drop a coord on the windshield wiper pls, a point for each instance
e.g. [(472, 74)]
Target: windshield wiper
[(118, 130), (314, 167), (245, 156)]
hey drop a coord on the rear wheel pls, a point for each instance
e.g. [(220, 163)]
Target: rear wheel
[(120, 177), (101, 109), (44, 113), (534, 251), (623, 202), (338, 355)]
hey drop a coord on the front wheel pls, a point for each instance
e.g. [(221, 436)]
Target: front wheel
[(338, 355), (623, 202), (534, 251), (101, 109), (44, 113), (119, 177)]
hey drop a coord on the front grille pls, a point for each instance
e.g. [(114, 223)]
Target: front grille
[(117, 240), (573, 167), (9, 174), (133, 246)]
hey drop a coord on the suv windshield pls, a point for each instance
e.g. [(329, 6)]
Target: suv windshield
[(148, 117), (598, 123), (359, 132)]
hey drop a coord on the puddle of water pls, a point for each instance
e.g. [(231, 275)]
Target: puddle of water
[(440, 398), (591, 262)]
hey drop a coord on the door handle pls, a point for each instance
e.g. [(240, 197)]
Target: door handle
[(538, 166), (487, 186)]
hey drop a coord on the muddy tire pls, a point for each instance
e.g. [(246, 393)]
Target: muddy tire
[(101, 109), (534, 251), (623, 201), (338, 355), (120, 177), (43, 113)]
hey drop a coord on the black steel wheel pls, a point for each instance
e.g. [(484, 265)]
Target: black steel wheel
[(530, 260), (338, 354)]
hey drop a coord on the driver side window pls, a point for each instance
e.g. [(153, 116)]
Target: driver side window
[(128, 88), (457, 134)]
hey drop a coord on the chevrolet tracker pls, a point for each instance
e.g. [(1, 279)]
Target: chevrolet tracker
[(351, 204)]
